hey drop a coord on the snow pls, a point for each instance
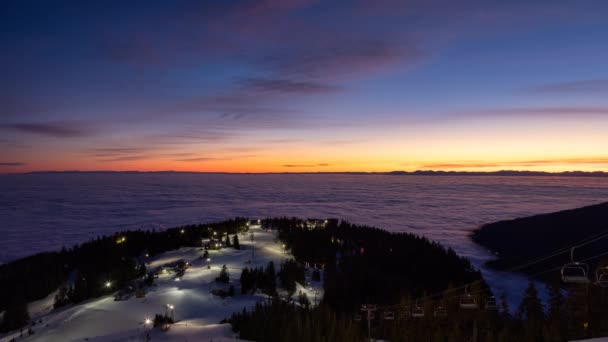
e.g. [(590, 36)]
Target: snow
[(197, 311), (41, 307)]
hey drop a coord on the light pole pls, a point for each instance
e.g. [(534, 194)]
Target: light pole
[(169, 308), (369, 308), (147, 324)]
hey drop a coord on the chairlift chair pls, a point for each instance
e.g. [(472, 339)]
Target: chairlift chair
[(357, 317), (491, 303), (575, 272), (467, 301), (417, 311), (389, 316), (440, 312), (601, 276)]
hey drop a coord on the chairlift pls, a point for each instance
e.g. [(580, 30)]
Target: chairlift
[(389, 316), (575, 272), (440, 312), (468, 301), (601, 276), (491, 303), (417, 311), (357, 317)]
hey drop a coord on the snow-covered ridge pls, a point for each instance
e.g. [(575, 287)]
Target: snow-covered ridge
[(197, 311)]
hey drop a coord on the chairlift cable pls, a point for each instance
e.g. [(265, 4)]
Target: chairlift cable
[(579, 243)]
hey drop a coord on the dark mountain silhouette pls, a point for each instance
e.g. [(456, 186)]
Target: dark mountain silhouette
[(521, 240)]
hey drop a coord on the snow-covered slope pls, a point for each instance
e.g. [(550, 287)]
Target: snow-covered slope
[(197, 311)]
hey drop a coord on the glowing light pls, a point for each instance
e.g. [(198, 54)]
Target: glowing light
[(182, 231), (108, 284), (177, 279), (147, 321)]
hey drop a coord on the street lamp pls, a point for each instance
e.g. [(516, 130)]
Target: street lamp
[(147, 324), (108, 284), (171, 308)]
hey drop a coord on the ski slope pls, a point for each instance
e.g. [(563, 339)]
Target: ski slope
[(197, 311)]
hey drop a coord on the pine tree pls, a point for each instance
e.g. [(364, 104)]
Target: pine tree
[(15, 316), (245, 281), (224, 276), (531, 312), (61, 298), (303, 300), (316, 275), (80, 290), (556, 313), (227, 241), (270, 280), (235, 242), (504, 306)]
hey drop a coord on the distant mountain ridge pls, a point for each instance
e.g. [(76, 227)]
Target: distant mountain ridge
[(503, 173)]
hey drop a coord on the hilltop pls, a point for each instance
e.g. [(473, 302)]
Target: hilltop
[(523, 239)]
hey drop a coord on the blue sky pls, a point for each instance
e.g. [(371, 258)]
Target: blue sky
[(248, 86)]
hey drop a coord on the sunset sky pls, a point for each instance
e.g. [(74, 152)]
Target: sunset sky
[(303, 86)]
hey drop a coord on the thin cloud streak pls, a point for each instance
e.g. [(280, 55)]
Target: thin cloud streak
[(50, 129), (306, 165), (200, 159), (287, 86), (584, 86)]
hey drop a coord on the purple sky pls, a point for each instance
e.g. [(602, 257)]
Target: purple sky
[(299, 85)]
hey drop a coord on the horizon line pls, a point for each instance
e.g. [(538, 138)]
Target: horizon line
[(506, 172)]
